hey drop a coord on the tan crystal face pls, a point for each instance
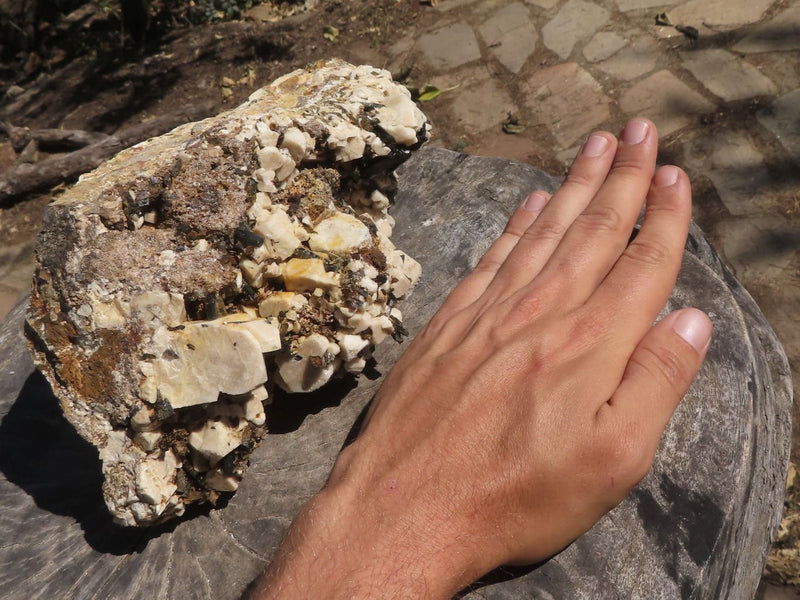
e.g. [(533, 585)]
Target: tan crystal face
[(189, 274)]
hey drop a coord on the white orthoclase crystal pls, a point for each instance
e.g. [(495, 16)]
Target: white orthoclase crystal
[(182, 280)]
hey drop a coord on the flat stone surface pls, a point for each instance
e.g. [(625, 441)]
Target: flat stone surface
[(447, 5), (635, 60), (761, 248), (603, 45), (575, 21), (666, 100), (719, 14), (776, 35), (726, 75), (483, 106), (783, 120), (450, 47), (773, 592), (510, 36), (568, 100), (664, 538), (732, 163)]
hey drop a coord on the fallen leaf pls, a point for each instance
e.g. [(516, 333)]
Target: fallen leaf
[(428, 92), (330, 33), (512, 125), (663, 20)]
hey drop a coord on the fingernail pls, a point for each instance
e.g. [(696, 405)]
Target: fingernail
[(635, 131), (535, 201), (594, 146), (666, 176), (695, 327)]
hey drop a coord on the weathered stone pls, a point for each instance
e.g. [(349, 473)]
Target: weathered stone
[(510, 35), (783, 120), (763, 248), (633, 61), (576, 20), (488, 106), (776, 35), (450, 46), (711, 16), (157, 311), (726, 75), (603, 45), (567, 100), (666, 100), (735, 168), (448, 5)]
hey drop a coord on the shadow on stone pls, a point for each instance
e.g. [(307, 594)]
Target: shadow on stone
[(287, 411), (43, 454)]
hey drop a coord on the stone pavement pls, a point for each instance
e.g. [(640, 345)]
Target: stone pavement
[(720, 78)]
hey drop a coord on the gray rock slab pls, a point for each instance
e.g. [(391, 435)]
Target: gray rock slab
[(727, 75), (576, 20), (713, 15), (637, 59), (776, 35), (510, 36), (603, 45), (568, 100), (782, 118), (448, 5), (767, 591), (735, 167), (762, 248), (482, 106), (666, 100), (450, 46), (699, 521)]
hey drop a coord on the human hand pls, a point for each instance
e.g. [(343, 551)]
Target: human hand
[(529, 405)]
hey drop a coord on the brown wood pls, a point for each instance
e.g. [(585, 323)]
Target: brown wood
[(51, 139), (697, 527), (26, 178)]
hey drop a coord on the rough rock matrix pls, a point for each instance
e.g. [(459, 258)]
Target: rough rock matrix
[(179, 281)]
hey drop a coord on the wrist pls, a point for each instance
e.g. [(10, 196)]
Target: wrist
[(367, 539)]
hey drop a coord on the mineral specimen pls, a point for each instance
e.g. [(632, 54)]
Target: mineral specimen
[(178, 278)]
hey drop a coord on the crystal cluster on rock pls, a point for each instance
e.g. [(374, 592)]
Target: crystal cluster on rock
[(177, 283)]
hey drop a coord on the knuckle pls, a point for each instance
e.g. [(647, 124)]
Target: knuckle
[(647, 252), (600, 219), (665, 364), (588, 328), (580, 179), (626, 455), (514, 229), (545, 229), (488, 264), (528, 306), (629, 166)]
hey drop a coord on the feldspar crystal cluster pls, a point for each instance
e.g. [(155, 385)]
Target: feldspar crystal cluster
[(177, 283)]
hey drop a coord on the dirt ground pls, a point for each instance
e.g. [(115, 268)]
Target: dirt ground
[(86, 73)]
